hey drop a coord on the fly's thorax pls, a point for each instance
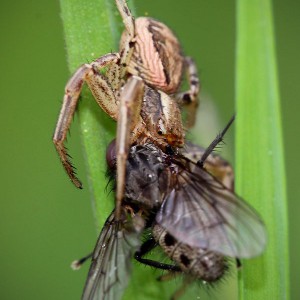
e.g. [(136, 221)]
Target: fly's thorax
[(146, 181), (199, 263), (157, 56), (162, 118)]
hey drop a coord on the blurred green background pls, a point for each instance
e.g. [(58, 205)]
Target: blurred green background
[(45, 222)]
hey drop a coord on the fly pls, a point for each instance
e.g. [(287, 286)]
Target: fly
[(186, 199)]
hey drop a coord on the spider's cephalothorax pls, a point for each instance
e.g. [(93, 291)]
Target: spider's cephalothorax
[(139, 90)]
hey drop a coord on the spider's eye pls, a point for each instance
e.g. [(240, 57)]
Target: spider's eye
[(159, 132)]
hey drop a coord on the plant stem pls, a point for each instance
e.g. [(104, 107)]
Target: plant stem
[(260, 172), (88, 35)]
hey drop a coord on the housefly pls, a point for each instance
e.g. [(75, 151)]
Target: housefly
[(186, 199)]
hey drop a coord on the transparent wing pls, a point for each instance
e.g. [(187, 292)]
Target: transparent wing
[(203, 213), (109, 272)]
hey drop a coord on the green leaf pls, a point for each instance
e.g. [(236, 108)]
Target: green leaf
[(260, 172)]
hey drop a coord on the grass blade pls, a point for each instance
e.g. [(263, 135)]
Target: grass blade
[(88, 35), (260, 173)]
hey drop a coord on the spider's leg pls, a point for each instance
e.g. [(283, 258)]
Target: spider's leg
[(189, 98), (104, 93), (86, 73), (129, 126), (126, 15), (127, 40), (114, 77)]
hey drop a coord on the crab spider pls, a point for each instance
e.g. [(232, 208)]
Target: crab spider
[(139, 90)]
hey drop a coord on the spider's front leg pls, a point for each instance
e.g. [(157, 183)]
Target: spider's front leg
[(126, 15), (128, 37), (129, 127), (189, 98), (103, 94)]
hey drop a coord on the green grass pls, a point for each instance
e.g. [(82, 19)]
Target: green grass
[(90, 32), (260, 173)]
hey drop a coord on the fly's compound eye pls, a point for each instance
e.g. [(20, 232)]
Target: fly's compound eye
[(111, 155)]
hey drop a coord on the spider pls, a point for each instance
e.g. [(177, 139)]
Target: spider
[(140, 90)]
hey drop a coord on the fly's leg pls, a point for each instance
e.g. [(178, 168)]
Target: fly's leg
[(218, 139), (215, 165), (129, 127), (76, 264), (238, 263), (189, 98), (146, 247), (103, 94)]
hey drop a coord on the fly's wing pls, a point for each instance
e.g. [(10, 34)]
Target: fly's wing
[(201, 212), (109, 272)]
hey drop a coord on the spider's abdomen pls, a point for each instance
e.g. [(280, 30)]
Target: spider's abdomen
[(157, 56)]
